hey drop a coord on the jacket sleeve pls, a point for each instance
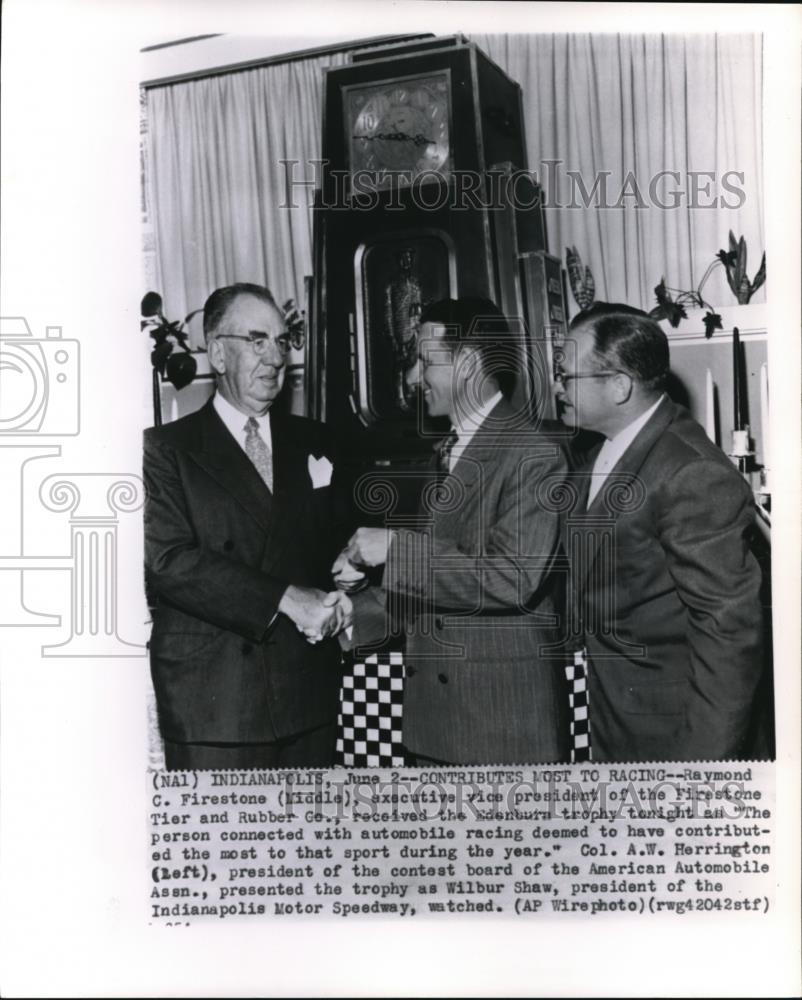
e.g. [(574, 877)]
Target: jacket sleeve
[(187, 575), (516, 554), (718, 580)]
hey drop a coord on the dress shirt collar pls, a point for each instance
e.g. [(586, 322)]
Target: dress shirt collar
[(235, 421), (469, 423), (624, 438), (612, 451)]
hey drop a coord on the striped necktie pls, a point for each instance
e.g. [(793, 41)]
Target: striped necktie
[(257, 451), (444, 451)]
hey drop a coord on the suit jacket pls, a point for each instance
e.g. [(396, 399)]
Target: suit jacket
[(474, 589), (669, 606), (219, 553)]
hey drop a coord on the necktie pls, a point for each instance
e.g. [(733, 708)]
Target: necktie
[(444, 451), (257, 451)]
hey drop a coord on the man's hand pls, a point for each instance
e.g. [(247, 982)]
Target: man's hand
[(342, 610), (368, 546), (307, 608), (346, 576)]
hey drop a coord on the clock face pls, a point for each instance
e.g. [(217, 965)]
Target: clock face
[(399, 130)]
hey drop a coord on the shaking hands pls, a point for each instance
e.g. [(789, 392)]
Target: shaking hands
[(316, 614), (319, 615)]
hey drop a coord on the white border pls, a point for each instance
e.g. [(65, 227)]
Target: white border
[(74, 887)]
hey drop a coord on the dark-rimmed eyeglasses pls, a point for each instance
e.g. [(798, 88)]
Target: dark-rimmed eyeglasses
[(562, 378), (284, 342)]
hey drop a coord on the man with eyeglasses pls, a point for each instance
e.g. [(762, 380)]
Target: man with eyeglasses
[(664, 590), (239, 539)]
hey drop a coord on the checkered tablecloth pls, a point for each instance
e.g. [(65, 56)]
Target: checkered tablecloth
[(371, 709), (369, 722)]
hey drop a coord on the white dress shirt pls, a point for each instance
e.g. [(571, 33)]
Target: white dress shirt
[(469, 424), (613, 449), (236, 422)]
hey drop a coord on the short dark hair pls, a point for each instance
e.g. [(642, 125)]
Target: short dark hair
[(218, 302), (480, 323), (626, 338), (600, 309)]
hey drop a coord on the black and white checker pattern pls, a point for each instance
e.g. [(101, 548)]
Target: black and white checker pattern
[(577, 674), (371, 708), (369, 723)]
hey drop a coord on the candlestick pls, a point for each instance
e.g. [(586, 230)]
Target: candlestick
[(740, 444), (764, 421), (710, 410), (736, 379)]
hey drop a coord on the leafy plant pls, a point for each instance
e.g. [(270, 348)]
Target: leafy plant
[(179, 369), (296, 323), (734, 261), (671, 302)]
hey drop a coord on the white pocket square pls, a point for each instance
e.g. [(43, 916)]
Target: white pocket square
[(320, 470)]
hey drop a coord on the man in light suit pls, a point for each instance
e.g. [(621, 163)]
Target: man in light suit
[(669, 614), (474, 588), (238, 545)]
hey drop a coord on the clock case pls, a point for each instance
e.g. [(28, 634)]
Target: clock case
[(489, 246)]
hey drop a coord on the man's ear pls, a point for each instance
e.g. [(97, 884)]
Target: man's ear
[(622, 387), (467, 363), (217, 357)]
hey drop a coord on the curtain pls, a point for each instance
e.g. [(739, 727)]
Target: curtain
[(216, 184), (637, 105), (622, 108)]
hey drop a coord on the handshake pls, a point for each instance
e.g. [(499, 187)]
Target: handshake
[(319, 615), (316, 614)]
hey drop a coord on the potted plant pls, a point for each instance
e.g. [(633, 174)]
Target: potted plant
[(673, 303), (178, 368)]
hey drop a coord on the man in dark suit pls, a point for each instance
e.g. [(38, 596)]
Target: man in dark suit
[(474, 590), (664, 589), (238, 545)]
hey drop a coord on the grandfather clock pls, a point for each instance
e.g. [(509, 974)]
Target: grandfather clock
[(424, 195)]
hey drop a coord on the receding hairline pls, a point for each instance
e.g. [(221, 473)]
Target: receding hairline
[(257, 298), (264, 297), (631, 340)]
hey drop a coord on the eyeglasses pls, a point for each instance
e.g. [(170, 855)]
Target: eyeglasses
[(284, 342), (562, 379)]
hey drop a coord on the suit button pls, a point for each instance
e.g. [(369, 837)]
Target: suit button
[(410, 671), (228, 545), (442, 678), (247, 648), (438, 623)]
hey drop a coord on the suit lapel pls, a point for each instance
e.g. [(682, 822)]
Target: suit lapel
[(290, 463), (221, 456), (625, 472), (473, 462)]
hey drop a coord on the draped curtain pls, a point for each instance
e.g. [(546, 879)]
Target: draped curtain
[(216, 185), (620, 108), (637, 105)]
